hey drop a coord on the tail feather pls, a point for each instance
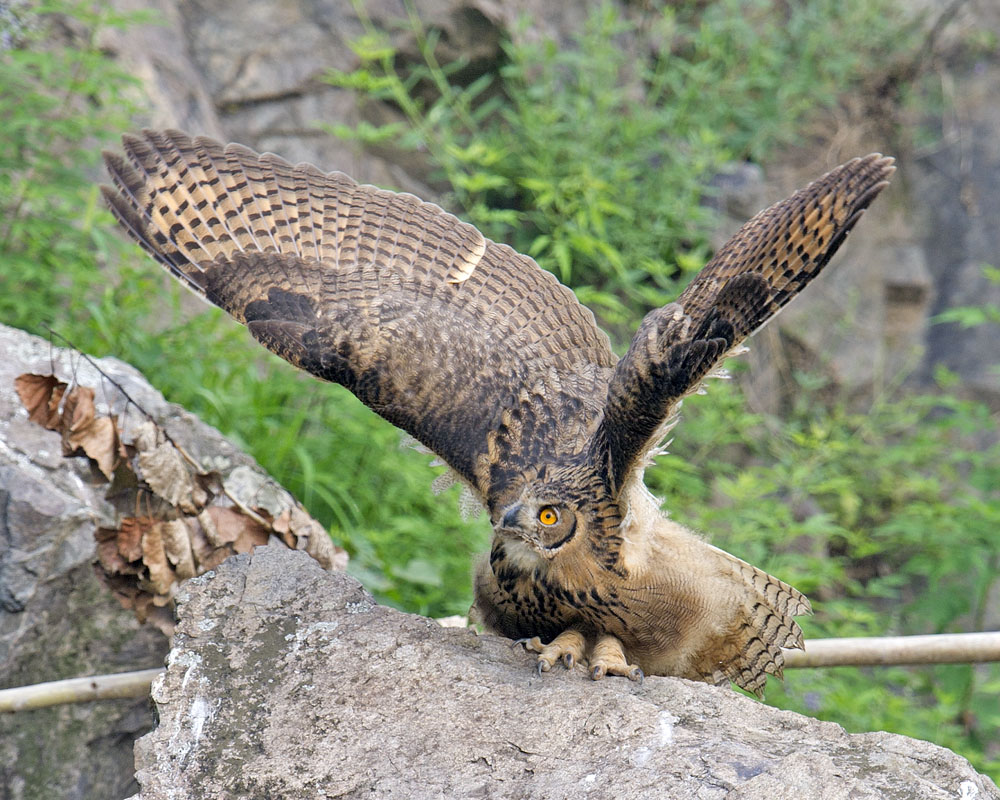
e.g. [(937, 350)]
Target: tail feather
[(763, 624)]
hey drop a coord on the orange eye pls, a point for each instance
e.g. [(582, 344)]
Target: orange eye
[(547, 515)]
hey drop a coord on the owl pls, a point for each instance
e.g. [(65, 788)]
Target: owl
[(492, 364)]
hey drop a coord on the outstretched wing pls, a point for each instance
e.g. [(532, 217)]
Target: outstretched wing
[(767, 262), (468, 346)]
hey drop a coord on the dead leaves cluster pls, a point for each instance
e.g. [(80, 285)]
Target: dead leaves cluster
[(176, 520), (73, 415)]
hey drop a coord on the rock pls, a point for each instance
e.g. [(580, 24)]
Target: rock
[(56, 619), (960, 206), (287, 681), (254, 71)]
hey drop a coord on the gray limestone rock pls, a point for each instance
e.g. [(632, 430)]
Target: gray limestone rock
[(56, 619), (288, 682)]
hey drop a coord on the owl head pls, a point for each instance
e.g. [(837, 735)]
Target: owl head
[(556, 511)]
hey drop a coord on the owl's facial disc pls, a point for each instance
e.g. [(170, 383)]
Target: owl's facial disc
[(546, 527)]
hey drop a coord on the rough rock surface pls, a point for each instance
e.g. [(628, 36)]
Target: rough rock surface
[(285, 681), (56, 619)]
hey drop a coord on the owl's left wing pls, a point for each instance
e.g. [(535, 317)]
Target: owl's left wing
[(463, 343), (767, 262)]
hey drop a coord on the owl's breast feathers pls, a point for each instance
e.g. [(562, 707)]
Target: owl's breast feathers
[(678, 605)]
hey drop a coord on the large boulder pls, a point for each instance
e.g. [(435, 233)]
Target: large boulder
[(286, 681), (57, 620)]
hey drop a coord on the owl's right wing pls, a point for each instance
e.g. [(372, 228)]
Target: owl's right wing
[(465, 344), (769, 260)]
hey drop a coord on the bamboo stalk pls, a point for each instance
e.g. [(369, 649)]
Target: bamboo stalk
[(77, 690), (941, 648)]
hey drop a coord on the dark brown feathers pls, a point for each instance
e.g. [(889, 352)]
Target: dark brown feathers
[(767, 262), (448, 335), (492, 364)]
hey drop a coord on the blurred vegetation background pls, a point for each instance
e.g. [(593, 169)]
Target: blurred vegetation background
[(886, 514)]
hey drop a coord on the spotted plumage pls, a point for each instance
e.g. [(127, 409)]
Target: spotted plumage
[(493, 365)]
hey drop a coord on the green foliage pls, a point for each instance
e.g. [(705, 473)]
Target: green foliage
[(596, 163), (59, 100), (971, 316)]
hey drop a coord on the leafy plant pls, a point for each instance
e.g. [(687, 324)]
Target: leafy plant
[(596, 162), (60, 98)]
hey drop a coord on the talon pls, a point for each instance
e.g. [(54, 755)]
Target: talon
[(531, 643), (598, 672), (636, 674), (568, 647)]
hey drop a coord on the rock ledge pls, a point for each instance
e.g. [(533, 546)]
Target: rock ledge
[(288, 681)]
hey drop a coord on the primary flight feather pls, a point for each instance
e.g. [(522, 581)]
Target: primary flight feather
[(492, 364)]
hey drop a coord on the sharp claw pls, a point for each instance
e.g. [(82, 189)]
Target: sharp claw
[(542, 666), (568, 660), (637, 675), (598, 672), (516, 642)]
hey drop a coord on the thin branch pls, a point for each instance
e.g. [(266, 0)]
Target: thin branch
[(945, 648), (942, 648), (192, 461), (77, 690)]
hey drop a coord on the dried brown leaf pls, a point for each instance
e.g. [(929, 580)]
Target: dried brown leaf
[(144, 435), (168, 475), (41, 395), (161, 576), (281, 523), (99, 440), (207, 521), (250, 537), (82, 430), (201, 547), (111, 560), (314, 539), (78, 409), (215, 558), (129, 538), (177, 545), (229, 524)]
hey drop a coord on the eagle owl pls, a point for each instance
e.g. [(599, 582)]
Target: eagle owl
[(492, 364)]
